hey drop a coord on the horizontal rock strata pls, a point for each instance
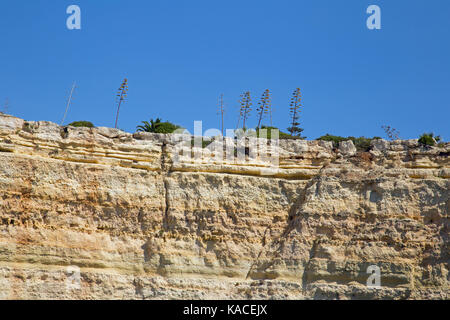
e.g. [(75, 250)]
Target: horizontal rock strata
[(98, 213)]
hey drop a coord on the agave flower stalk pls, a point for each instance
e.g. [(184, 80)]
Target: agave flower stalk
[(121, 97)]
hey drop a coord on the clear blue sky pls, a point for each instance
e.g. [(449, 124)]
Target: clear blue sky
[(180, 55)]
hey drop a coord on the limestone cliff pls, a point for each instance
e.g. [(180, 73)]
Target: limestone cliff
[(140, 225)]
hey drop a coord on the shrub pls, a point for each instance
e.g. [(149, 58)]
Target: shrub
[(428, 139), (166, 127), (86, 124), (281, 135), (205, 143), (334, 139), (361, 143)]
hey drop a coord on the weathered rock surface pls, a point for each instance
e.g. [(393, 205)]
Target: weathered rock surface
[(142, 222)]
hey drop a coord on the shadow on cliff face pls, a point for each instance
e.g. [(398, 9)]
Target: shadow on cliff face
[(337, 228), (265, 265)]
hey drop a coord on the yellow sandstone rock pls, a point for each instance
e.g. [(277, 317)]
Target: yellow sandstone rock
[(97, 213)]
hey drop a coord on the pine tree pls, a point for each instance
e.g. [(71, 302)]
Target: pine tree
[(263, 107), (245, 108), (296, 103), (121, 96)]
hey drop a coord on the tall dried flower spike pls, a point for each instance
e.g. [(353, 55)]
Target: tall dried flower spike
[(296, 103), (69, 101), (264, 107), (221, 112), (245, 108), (121, 97), (391, 133)]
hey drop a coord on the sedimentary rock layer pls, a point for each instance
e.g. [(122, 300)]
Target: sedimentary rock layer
[(97, 213)]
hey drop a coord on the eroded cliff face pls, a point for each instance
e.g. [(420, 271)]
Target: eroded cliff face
[(140, 225)]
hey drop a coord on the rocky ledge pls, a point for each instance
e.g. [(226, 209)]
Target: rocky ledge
[(98, 213)]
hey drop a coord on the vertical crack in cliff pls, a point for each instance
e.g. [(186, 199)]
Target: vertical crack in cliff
[(165, 170), (139, 288), (167, 205), (306, 269), (291, 224), (264, 241)]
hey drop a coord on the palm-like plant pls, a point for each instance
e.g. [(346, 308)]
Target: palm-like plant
[(151, 126)]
